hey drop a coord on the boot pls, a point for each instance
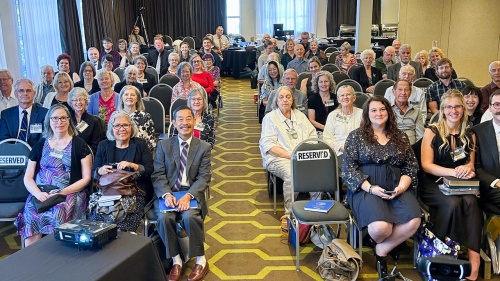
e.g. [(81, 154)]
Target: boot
[(381, 266)]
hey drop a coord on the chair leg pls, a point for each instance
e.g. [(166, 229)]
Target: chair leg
[(297, 246)]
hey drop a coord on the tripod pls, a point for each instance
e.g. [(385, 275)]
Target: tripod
[(140, 16)]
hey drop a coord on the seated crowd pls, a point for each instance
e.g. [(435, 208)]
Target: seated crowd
[(68, 118)]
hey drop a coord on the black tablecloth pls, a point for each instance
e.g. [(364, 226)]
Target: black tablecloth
[(236, 59), (129, 257)]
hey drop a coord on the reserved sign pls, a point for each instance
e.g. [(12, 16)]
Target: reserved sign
[(313, 155)]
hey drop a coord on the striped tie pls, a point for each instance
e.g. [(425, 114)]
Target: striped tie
[(23, 132), (183, 162)]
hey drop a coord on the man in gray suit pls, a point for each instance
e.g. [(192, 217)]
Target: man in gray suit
[(405, 55), (182, 163), (488, 156)]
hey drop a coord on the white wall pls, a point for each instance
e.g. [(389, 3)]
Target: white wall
[(390, 11), (10, 39)]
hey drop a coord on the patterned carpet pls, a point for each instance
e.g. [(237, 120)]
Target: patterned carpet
[(242, 233)]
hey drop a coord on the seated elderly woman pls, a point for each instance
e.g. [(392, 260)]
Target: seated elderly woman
[(213, 70), (64, 65), (203, 78), (130, 101), (448, 149), (182, 88), (128, 152), (473, 100), (103, 103), (147, 80), (88, 73), (323, 101), (132, 52), (90, 128), (64, 161), (204, 128), (315, 51), (345, 59), (282, 130), (342, 120), (62, 84), (367, 76), (422, 57), (129, 78), (173, 62), (107, 64), (380, 171)]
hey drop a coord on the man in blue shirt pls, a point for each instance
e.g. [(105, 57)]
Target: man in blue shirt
[(299, 63)]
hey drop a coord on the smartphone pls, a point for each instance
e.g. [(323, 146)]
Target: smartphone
[(389, 192)]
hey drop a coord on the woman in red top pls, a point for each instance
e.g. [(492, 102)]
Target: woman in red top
[(204, 78)]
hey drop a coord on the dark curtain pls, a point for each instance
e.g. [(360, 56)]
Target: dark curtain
[(176, 18), (344, 12), (71, 37)]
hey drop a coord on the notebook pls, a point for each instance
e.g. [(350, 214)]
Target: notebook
[(193, 204), (322, 206)]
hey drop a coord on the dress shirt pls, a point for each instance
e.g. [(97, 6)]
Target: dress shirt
[(221, 42), (6, 102), (486, 91), (299, 65), (275, 133), (417, 98), (21, 115), (184, 181), (436, 90), (497, 134), (410, 122)]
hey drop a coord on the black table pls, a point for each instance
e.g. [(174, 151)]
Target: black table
[(235, 60), (129, 257)]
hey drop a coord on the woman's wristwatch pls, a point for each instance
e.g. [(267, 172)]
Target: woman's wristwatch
[(371, 189)]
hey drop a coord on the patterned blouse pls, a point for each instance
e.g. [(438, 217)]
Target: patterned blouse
[(215, 72), (181, 92), (145, 127), (343, 65)]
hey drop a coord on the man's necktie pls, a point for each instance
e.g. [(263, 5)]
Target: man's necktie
[(158, 63), (220, 43), (183, 162), (23, 133)]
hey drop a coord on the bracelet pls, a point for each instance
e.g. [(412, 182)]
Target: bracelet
[(370, 189)]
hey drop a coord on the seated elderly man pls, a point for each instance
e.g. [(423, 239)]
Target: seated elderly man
[(93, 55), (7, 99), (405, 56), (260, 49), (182, 163), (268, 49), (408, 116), (135, 37), (220, 40), (417, 96), (299, 63), (386, 60), (45, 87), (282, 130), (304, 40), (486, 91), (289, 80), (396, 44)]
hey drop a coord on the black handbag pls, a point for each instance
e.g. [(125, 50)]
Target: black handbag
[(50, 202)]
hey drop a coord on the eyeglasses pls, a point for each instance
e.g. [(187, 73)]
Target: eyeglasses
[(55, 119), (197, 99), (456, 107), (78, 100), (124, 126), (197, 61), (495, 105)]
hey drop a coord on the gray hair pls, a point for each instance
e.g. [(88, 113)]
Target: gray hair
[(18, 81), (404, 47), (117, 114), (60, 75), (45, 66), (84, 65), (346, 46), (193, 93), (181, 66), (314, 84), (286, 88), (47, 130), (77, 92), (367, 52), (129, 69), (348, 87), (407, 67), (173, 54), (142, 58), (273, 56), (8, 73), (138, 106), (105, 72)]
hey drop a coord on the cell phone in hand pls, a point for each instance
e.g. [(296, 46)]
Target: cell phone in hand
[(389, 191)]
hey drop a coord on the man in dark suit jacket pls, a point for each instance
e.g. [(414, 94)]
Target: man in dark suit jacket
[(488, 157), (10, 123), (168, 177), (158, 51), (405, 55)]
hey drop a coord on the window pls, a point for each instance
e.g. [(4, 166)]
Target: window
[(233, 17), (296, 15)]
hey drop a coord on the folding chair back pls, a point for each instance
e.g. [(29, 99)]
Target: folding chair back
[(381, 87), (154, 107), (169, 79)]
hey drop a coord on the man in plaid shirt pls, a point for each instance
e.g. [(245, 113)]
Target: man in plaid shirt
[(445, 83)]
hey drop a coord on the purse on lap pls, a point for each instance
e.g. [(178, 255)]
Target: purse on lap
[(119, 182), (50, 202)]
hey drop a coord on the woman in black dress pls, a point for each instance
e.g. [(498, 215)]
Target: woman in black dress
[(380, 171), (323, 101), (473, 99), (448, 150)]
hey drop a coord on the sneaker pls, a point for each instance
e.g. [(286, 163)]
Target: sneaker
[(284, 225)]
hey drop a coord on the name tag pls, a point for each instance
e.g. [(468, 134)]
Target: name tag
[(57, 153), (200, 127), (458, 153), (36, 128), (142, 81), (82, 126), (329, 103)]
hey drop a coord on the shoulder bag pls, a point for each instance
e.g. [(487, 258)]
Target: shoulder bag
[(50, 202), (119, 182), (339, 262)]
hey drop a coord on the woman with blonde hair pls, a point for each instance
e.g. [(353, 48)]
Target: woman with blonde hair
[(345, 59), (288, 52), (448, 149), (435, 54), (422, 57)]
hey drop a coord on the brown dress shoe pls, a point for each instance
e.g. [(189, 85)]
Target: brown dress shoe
[(175, 273), (198, 273)]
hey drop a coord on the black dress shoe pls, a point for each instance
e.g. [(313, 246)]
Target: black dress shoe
[(381, 266)]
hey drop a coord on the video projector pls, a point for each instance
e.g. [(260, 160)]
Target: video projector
[(85, 233)]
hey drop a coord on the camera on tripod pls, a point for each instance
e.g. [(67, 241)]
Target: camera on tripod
[(141, 9)]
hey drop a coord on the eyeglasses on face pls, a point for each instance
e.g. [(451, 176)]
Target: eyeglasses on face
[(456, 107), (78, 100), (496, 105), (56, 119), (124, 126)]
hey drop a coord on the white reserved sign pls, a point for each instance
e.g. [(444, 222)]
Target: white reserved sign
[(16, 160), (321, 154)]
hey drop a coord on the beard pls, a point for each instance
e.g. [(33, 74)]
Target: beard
[(444, 75)]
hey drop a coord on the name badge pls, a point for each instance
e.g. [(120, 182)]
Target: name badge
[(458, 153), (57, 153), (142, 81), (82, 126), (36, 128), (329, 103), (200, 127), (340, 118), (292, 133)]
